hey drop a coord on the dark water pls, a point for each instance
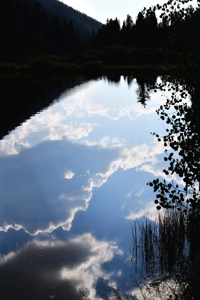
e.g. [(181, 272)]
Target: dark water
[(72, 180)]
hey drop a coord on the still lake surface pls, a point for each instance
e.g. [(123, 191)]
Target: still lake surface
[(72, 181)]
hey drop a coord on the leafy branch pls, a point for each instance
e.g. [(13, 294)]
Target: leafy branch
[(182, 151)]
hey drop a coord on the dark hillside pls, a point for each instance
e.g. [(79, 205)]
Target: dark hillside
[(33, 28), (40, 94), (83, 24)]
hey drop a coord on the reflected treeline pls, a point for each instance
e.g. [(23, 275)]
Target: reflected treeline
[(144, 85), (113, 79), (24, 97)]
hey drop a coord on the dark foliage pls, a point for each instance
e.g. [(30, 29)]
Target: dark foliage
[(182, 137), (174, 40), (29, 96), (43, 27), (181, 142), (145, 33), (83, 24), (29, 28)]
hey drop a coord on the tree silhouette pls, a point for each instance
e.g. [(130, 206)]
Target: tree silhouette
[(108, 34), (127, 32), (183, 138)]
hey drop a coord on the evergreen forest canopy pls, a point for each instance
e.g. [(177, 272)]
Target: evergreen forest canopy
[(30, 27), (174, 39), (83, 24), (38, 28)]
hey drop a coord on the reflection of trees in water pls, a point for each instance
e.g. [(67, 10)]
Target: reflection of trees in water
[(144, 85), (23, 97), (33, 96), (115, 79)]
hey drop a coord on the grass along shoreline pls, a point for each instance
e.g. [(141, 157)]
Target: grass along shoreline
[(44, 66)]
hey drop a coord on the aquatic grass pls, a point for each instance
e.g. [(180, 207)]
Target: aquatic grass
[(169, 265), (163, 244), (161, 254), (89, 63), (92, 67), (11, 69), (50, 66)]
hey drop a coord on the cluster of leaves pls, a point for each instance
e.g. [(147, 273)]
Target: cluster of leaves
[(182, 151), (174, 10), (182, 17)]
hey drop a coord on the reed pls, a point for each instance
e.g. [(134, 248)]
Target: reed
[(163, 257), (169, 263)]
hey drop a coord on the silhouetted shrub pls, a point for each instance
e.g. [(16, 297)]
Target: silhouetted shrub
[(116, 55)]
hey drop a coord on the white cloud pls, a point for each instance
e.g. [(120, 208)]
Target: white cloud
[(139, 193), (40, 172), (106, 142), (79, 114), (57, 268), (37, 180), (69, 174), (149, 211), (156, 168)]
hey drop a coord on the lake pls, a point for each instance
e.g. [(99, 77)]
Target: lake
[(73, 179)]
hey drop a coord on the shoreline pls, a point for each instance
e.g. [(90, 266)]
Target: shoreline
[(93, 68)]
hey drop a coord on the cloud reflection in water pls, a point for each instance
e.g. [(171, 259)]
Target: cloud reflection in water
[(35, 194), (45, 269), (95, 113), (50, 168)]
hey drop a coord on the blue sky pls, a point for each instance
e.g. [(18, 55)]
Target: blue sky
[(101, 10)]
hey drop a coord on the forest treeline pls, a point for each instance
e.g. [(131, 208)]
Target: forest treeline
[(147, 41), (27, 28), (31, 28), (141, 42)]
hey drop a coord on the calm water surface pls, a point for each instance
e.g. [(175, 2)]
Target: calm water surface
[(72, 180)]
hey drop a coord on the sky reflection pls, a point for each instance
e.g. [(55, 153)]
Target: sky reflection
[(95, 113), (80, 167), (55, 269), (44, 186), (57, 158)]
